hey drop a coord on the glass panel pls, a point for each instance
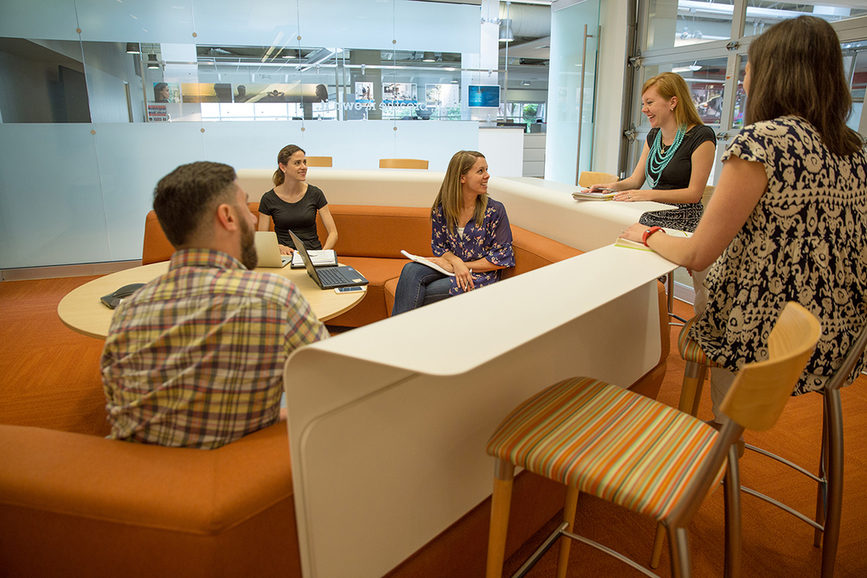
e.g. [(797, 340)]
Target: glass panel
[(741, 97), (764, 13), (705, 79), (46, 221), (684, 22), (561, 158), (855, 62), (43, 81)]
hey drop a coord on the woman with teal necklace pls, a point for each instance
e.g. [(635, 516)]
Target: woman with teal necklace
[(676, 159)]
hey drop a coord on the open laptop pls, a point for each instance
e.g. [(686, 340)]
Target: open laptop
[(268, 250), (328, 277)]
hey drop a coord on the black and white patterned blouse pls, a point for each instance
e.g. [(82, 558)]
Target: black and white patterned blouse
[(805, 241)]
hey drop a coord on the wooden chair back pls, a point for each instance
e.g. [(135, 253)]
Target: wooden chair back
[(761, 389), (319, 161), (403, 164), (590, 178), (755, 400)]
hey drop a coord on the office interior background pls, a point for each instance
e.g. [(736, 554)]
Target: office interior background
[(99, 99)]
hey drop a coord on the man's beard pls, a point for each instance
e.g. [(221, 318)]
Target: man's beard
[(248, 246)]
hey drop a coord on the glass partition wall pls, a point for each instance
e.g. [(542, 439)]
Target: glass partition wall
[(99, 99), (707, 44)]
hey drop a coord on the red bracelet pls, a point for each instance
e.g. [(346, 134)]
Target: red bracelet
[(648, 233)]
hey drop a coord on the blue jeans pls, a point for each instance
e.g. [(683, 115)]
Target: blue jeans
[(419, 285)]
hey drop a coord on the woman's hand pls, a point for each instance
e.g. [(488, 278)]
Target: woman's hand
[(284, 250), (444, 263), (464, 276), (635, 233), (633, 195), (601, 187)]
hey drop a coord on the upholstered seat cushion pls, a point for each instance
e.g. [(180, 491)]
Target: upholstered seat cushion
[(689, 349), (607, 441)]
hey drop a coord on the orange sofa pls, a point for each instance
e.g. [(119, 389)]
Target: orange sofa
[(75, 504)]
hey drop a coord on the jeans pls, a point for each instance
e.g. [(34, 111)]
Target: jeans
[(419, 285)]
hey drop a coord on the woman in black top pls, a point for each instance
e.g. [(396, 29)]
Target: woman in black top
[(676, 159), (293, 204)]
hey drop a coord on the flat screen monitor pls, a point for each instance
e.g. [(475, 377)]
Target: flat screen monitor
[(484, 95)]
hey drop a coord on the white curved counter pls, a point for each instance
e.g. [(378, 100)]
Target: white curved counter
[(388, 422)]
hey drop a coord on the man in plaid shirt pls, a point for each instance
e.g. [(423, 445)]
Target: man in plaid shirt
[(195, 357)]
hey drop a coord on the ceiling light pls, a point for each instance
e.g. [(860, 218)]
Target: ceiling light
[(525, 83), (152, 61), (133, 48), (691, 68), (429, 57)]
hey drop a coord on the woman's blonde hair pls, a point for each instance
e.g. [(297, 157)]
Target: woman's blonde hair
[(450, 195), (283, 159), (668, 85), (796, 68)]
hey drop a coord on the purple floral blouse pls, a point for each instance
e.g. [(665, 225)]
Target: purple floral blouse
[(491, 241)]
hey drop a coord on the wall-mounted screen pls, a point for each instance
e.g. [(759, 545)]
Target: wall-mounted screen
[(484, 95)]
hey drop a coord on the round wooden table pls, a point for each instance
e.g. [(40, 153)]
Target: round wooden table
[(82, 310)]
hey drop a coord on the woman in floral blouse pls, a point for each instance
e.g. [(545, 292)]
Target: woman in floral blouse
[(470, 237), (787, 220)]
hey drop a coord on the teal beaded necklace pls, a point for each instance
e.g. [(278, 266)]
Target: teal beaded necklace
[(658, 159)]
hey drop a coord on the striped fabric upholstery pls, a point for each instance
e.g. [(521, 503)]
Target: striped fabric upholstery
[(617, 445), (689, 349)]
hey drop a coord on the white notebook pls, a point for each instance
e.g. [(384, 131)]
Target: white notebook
[(424, 261), (319, 257)]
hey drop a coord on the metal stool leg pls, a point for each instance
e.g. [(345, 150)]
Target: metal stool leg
[(732, 500), (834, 506), (670, 299)]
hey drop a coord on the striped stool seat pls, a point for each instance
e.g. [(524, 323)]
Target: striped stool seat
[(689, 349), (607, 441)]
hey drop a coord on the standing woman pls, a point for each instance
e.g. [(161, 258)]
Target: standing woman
[(470, 237), (293, 204), (788, 220), (677, 156)]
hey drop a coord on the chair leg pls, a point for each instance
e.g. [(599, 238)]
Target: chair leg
[(569, 518), (822, 487), (658, 542), (732, 501), (501, 500), (690, 393), (835, 481), (669, 285), (678, 546)]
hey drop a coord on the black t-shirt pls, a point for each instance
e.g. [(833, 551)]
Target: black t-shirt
[(300, 216), (679, 169)]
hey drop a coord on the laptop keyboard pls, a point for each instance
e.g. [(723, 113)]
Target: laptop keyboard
[(331, 275)]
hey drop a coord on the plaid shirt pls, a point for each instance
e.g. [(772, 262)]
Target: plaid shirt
[(195, 357)]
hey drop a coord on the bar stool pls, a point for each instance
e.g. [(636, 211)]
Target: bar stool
[(403, 164), (590, 178), (829, 495), (639, 453), (320, 161)]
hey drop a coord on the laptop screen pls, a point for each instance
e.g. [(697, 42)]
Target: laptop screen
[(308, 263)]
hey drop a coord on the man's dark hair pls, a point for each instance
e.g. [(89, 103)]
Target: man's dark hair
[(184, 196)]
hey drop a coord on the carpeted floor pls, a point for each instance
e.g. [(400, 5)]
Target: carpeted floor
[(775, 544)]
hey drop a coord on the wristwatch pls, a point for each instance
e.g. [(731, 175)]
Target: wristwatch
[(648, 233)]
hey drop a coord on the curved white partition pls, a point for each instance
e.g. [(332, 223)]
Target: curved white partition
[(388, 422), (544, 207)]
